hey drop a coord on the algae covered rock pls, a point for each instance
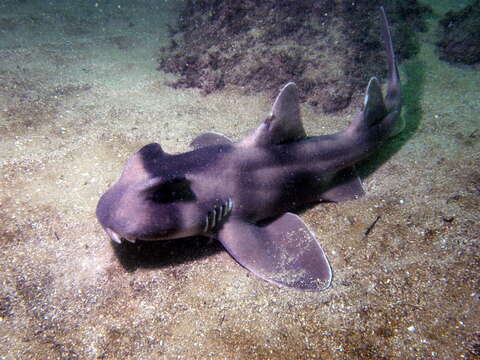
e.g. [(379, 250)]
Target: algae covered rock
[(460, 41), (329, 48)]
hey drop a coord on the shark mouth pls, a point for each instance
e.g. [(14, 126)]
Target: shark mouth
[(118, 238), (215, 216), (212, 220)]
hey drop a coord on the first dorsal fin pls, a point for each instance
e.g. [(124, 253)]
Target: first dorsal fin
[(284, 123)]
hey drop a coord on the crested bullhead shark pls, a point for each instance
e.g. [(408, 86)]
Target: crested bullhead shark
[(242, 193)]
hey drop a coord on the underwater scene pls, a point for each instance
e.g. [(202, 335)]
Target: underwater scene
[(276, 179)]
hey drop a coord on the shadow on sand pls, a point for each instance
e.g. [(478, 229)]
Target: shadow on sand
[(159, 254)]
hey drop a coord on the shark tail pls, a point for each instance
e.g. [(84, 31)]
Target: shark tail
[(377, 108), (393, 98)]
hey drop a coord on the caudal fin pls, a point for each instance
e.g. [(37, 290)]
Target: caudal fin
[(393, 97), (376, 108)]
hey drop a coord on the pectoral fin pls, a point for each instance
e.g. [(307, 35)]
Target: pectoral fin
[(283, 251)]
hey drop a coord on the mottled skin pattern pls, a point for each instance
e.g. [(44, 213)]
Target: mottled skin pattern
[(241, 193)]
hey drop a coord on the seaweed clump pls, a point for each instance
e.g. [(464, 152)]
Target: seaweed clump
[(460, 41), (329, 48)]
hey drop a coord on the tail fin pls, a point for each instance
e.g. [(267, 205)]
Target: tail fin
[(377, 108), (393, 98)]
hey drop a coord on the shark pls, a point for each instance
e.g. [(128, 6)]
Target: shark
[(246, 194)]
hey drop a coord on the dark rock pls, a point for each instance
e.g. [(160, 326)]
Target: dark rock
[(460, 41), (329, 48)]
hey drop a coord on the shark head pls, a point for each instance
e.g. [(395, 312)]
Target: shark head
[(146, 205)]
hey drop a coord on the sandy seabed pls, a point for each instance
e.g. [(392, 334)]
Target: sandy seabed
[(79, 94)]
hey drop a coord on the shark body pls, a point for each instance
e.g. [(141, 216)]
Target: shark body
[(243, 193)]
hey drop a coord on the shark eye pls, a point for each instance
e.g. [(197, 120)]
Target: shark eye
[(172, 191)]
